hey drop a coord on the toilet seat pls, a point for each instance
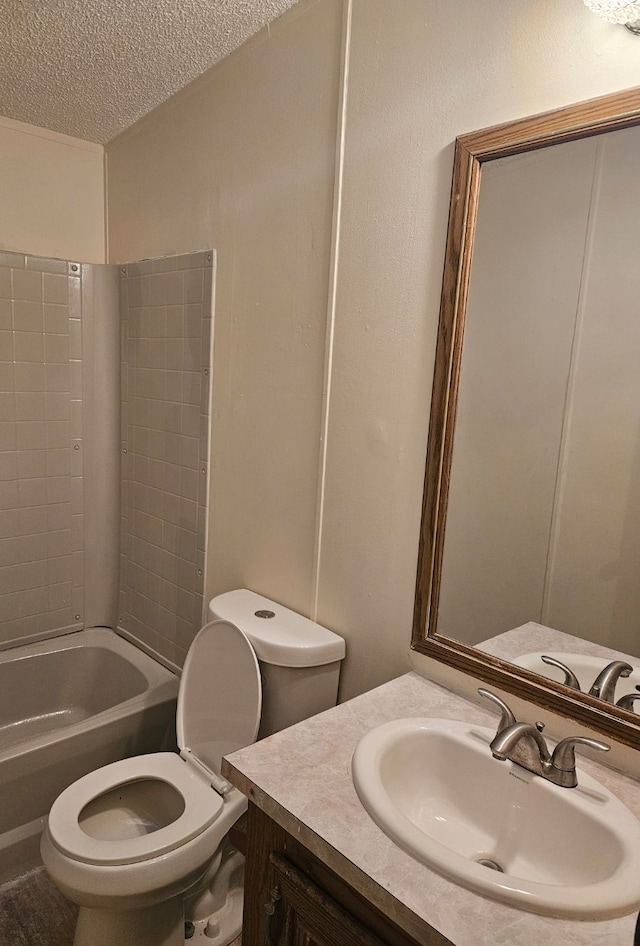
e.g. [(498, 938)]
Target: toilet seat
[(202, 806)]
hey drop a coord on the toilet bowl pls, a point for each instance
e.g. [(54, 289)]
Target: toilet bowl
[(131, 840)]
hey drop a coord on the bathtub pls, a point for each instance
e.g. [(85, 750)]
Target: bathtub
[(67, 706)]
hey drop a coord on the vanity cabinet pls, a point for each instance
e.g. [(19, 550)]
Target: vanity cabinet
[(293, 899)]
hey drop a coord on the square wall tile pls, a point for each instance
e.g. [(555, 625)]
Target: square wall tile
[(56, 349), (31, 435), (56, 318), (30, 405), (31, 464), (29, 377), (57, 378), (28, 346), (27, 286), (27, 316), (55, 289), (57, 405)]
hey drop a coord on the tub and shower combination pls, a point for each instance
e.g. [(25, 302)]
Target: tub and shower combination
[(67, 706), (90, 697)]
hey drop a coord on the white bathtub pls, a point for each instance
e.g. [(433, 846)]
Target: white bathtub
[(67, 706)]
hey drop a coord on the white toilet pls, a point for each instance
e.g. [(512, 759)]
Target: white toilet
[(133, 841)]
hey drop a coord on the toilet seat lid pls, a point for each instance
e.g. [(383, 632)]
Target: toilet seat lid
[(220, 696)]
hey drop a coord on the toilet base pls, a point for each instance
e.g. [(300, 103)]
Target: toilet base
[(160, 925), (220, 928), (215, 909)]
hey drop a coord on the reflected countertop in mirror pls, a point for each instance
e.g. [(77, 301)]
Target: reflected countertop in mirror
[(533, 636)]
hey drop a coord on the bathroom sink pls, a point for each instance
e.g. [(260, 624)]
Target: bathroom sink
[(585, 667), (434, 788)]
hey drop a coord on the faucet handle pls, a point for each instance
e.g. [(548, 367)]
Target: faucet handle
[(570, 679), (507, 719), (627, 701), (564, 757)]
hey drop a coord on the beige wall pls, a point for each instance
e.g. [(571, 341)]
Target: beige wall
[(243, 161), (51, 194)]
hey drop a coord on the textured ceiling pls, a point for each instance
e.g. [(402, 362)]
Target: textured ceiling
[(90, 68)]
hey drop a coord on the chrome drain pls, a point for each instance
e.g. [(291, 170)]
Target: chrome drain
[(493, 865)]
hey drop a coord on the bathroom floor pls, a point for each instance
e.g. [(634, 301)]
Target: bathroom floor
[(34, 913)]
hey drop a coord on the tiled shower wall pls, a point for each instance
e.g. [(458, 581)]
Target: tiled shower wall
[(41, 483), (166, 323)]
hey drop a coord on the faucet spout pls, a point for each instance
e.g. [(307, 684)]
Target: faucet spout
[(604, 684), (522, 743)]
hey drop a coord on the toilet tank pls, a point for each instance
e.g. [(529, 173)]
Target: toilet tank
[(299, 659)]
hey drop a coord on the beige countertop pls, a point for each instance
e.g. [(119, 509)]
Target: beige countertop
[(302, 779)]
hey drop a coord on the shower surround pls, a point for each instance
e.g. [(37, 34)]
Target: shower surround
[(104, 442), (103, 513)]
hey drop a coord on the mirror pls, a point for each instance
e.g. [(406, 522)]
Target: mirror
[(531, 505)]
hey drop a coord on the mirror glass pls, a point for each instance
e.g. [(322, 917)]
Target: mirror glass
[(532, 496), (543, 517)]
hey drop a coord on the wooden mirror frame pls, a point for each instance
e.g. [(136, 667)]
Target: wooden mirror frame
[(594, 117)]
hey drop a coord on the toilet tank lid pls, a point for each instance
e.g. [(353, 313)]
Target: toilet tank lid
[(287, 639)]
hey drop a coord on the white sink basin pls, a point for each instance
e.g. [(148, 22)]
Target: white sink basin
[(434, 788), (585, 667)]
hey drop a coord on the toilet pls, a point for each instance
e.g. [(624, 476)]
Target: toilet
[(141, 843)]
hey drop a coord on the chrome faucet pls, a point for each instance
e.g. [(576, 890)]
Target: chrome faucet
[(525, 745), (604, 684)]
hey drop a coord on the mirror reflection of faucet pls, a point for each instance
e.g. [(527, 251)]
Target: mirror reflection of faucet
[(604, 685), (524, 744), (570, 679)]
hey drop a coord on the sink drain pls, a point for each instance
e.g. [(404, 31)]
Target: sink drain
[(493, 865)]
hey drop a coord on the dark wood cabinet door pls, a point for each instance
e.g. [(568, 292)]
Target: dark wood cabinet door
[(293, 899), (302, 914)]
